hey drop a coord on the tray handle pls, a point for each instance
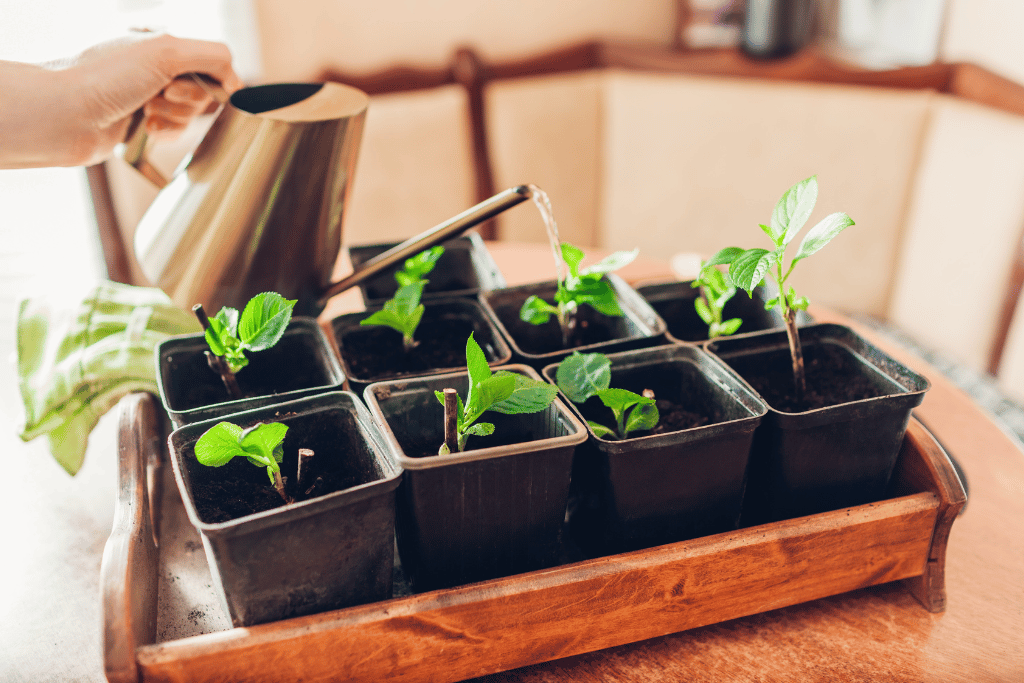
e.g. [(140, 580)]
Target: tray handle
[(928, 468), (128, 573)]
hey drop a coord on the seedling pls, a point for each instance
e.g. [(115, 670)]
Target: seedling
[(260, 326), (716, 289), (580, 286), (749, 267), (503, 392), (583, 375), (260, 444), (404, 311)]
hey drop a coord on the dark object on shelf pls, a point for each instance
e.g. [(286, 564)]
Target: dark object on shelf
[(373, 353), (539, 345), (465, 268), (493, 510), (776, 28), (653, 489), (302, 363), (330, 551), (838, 452)]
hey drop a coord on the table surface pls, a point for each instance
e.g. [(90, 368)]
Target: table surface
[(50, 611)]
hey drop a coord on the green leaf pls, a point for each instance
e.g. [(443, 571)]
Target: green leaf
[(598, 294), (703, 311), (581, 376), (768, 231), (480, 429), (528, 396), (600, 431), (822, 233), (611, 263), (444, 450), (264, 320), (476, 363), (730, 326), (219, 444), (620, 399), (484, 395), (228, 317), (643, 416), (769, 305), (723, 257), (264, 439), (793, 210), (572, 257), (214, 333), (536, 311), (800, 303), (401, 313), (418, 266), (749, 268)]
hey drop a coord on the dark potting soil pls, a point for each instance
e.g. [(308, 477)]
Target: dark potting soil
[(374, 351), (237, 489), (833, 376), (294, 363)]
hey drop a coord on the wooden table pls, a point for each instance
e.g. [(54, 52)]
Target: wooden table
[(50, 628)]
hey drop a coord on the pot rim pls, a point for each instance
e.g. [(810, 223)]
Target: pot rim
[(391, 473), (912, 391), (303, 324), (429, 462)]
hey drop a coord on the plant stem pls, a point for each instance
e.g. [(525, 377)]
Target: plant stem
[(279, 486), (796, 353), (451, 413), (216, 363), (302, 471)]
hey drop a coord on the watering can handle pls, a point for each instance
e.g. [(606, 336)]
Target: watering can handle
[(133, 150)]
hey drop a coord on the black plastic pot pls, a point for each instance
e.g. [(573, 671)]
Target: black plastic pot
[(661, 488), (812, 460), (369, 353), (673, 300), (465, 268), (302, 363), (493, 511), (539, 345), (327, 552)]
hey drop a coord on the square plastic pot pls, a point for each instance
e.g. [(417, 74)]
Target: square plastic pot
[(662, 488), (673, 301), (535, 345), (302, 363), (830, 457), (324, 553), (370, 353), (465, 268), (493, 511)]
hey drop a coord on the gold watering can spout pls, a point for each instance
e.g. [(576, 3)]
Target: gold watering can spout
[(258, 205)]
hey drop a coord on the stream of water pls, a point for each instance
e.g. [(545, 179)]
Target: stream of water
[(540, 198)]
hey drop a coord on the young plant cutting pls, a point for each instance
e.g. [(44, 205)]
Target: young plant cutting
[(716, 289), (581, 376), (260, 444), (404, 311), (229, 335), (503, 392), (749, 267), (579, 286)]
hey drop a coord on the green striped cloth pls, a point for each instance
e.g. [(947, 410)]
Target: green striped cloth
[(78, 357)]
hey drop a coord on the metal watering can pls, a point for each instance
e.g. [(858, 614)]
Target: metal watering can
[(258, 205)]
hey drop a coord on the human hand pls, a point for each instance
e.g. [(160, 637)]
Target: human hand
[(76, 114)]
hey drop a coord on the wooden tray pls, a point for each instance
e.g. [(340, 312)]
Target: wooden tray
[(483, 628)]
